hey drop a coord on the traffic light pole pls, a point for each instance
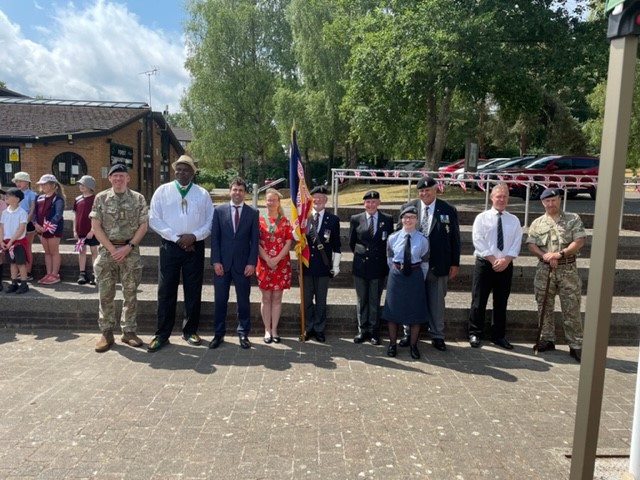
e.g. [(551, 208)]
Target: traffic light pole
[(615, 138)]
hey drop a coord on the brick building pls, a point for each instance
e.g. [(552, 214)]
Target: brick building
[(72, 138)]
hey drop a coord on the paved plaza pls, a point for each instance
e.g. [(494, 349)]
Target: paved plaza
[(295, 411)]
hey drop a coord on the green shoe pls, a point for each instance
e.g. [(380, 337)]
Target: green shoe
[(193, 339), (156, 344)]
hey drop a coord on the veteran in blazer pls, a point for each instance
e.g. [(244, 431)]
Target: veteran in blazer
[(438, 220), (323, 237), (368, 234), (234, 255)]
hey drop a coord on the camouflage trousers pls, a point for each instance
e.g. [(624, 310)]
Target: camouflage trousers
[(107, 272), (566, 283)]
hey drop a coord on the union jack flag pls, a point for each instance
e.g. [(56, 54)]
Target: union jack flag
[(49, 226), (79, 246)]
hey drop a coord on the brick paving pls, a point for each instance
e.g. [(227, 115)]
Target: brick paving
[(294, 411)]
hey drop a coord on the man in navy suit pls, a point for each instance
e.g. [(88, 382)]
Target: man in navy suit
[(368, 233), (323, 237), (234, 254), (438, 220)]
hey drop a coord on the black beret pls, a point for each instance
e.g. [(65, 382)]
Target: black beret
[(16, 192), (426, 182), (550, 192), (118, 167), (409, 209), (320, 189), (371, 195)]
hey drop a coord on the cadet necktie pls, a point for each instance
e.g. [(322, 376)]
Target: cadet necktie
[(371, 225), (500, 234), (406, 260), (236, 218), (316, 225)]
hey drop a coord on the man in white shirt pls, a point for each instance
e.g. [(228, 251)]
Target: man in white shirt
[(497, 237), (181, 213)]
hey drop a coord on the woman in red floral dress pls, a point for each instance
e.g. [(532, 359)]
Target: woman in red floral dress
[(274, 266)]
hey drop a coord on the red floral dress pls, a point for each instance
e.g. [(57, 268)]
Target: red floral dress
[(273, 237)]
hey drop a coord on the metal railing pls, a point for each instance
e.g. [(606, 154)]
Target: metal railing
[(482, 182), (257, 191)]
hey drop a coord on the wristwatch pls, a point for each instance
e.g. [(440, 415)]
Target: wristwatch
[(561, 253), (131, 244)]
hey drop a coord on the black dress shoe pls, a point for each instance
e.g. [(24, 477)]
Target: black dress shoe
[(474, 341), (320, 337), (359, 338), (268, 339), (415, 353), (392, 350), (244, 342), (215, 343), (576, 353), (307, 336), (276, 340), (504, 343), (374, 340), (544, 346), (404, 341), (438, 343)]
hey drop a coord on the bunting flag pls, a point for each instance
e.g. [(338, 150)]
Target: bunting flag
[(300, 201), (49, 227), (79, 246)]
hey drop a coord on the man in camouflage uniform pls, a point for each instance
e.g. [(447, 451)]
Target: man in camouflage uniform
[(556, 238), (119, 219)]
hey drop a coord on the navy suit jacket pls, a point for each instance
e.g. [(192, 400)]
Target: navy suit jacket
[(234, 250), (329, 238), (370, 253), (444, 237)]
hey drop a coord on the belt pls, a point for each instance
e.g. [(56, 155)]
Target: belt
[(119, 243), (400, 265), (564, 261)]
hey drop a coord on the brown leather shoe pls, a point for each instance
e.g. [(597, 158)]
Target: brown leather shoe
[(105, 341), (131, 339)]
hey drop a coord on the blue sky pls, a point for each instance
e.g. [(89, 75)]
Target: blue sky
[(94, 49)]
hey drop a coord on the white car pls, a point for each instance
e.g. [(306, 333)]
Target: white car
[(492, 162)]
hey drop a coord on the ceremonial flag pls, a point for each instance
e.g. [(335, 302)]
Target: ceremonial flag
[(300, 200)]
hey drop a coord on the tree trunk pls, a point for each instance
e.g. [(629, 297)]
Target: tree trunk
[(442, 130), (430, 140)]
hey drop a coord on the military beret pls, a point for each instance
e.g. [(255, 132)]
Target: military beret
[(409, 209), (426, 182), (550, 192), (371, 195), (118, 167), (320, 189)]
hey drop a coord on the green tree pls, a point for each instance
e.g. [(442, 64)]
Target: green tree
[(237, 52)]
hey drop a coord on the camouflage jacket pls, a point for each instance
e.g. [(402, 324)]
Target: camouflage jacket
[(120, 215), (551, 235)]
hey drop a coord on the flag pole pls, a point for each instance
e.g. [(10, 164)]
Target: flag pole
[(301, 286)]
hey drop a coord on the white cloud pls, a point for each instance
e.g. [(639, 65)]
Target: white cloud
[(95, 53)]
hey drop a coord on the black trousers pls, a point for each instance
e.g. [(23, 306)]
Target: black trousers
[(315, 315), (485, 281), (173, 262), (368, 309)]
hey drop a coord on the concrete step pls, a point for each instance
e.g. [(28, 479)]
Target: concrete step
[(73, 307), (525, 266)]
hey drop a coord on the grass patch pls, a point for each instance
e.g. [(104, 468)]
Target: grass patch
[(398, 193)]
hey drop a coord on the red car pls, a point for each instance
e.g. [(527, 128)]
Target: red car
[(578, 173), (453, 166)]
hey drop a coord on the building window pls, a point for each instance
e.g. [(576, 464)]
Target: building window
[(10, 161), (68, 167)]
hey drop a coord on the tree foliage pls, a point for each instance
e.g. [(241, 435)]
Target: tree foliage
[(390, 78)]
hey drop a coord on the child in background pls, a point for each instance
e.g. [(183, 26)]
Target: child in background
[(82, 227), (3, 207), (13, 229), (49, 223), (28, 203)]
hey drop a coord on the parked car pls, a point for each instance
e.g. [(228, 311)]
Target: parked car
[(576, 172), (492, 162), (493, 171), (452, 167)]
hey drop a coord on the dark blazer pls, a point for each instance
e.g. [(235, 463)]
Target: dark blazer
[(444, 238), (330, 228), (370, 253), (234, 250)]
